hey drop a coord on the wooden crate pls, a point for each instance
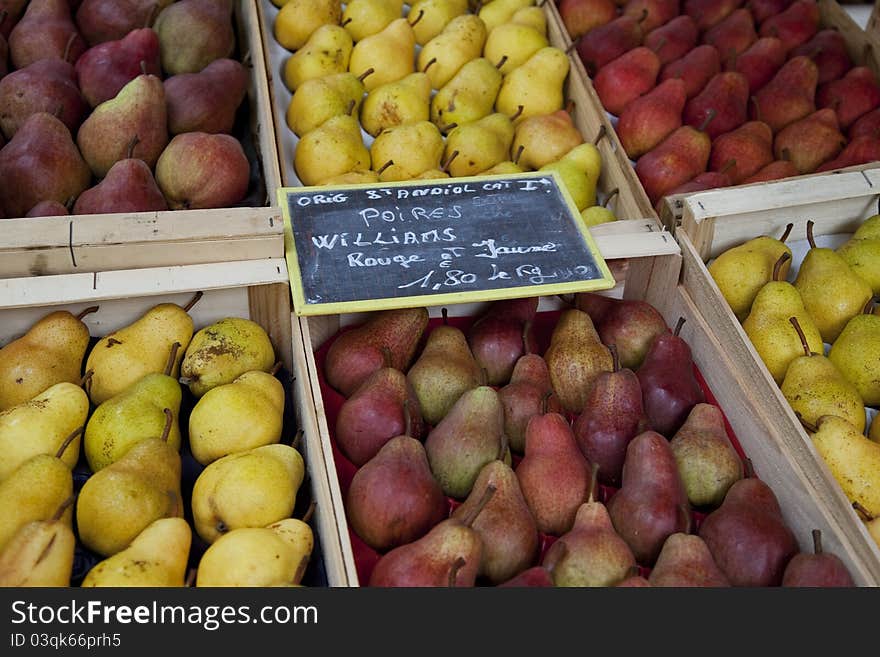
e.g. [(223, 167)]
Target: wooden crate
[(67, 244), (716, 220), (258, 290), (864, 49), (669, 282)]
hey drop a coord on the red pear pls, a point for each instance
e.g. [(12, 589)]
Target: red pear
[(674, 39), (868, 124), (828, 49), (528, 393), (817, 568), (721, 106), (626, 78), (46, 31), (129, 186), (607, 42), (764, 9), (707, 180), (500, 335), (680, 157), (696, 68), (749, 147), (648, 120), (733, 35), (111, 20), (655, 12), (710, 12), (581, 16), (795, 25), (851, 96), (104, 69), (760, 62), (789, 96), (536, 576), (685, 561), (776, 170), (48, 209), (860, 150), (810, 141)]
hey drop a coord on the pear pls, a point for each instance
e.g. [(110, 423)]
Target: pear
[(468, 96), (193, 33), (832, 293), (444, 371), (502, 168), (319, 99), (158, 556), (45, 31), (365, 17), (575, 358), (450, 554), (394, 103), (333, 148), (136, 413), (501, 12), (468, 437), (510, 44), (597, 214), (298, 19), (542, 139), (221, 352), (815, 387), (429, 17), (685, 561), (35, 490), (50, 352), (276, 555), (404, 151), (117, 503), (579, 170), (328, 50), (505, 525), (862, 252), (528, 393), (249, 488), (238, 416), (40, 553), (501, 333), (125, 356), (109, 20), (855, 354), (139, 109), (768, 324), (460, 41), (534, 87), (356, 177), (741, 271), (41, 425), (480, 145), (817, 568), (389, 52), (206, 101)]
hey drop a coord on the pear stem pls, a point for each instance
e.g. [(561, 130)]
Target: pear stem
[(87, 311), (787, 232), (169, 417), (350, 107), (633, 572), (87, 379), (484, 500), (777, 268), (545, 401), (453, 571), (603, 132), (569, 106), (817, 541), (276, 368), (728, 165), (519, 152), (429, 64), (797, 327), (451, 158), (502, 449), (76, 432), (615, 358), (69, 45), (748, 468), (662, 42), (869, 306), (407, 418), (172, 356), (309, 512), (643, 16), (860, 508), (501, 62), (190, 578), (387, 356), (365, 74), (297, 438), (614, 192), (62, 508), (810, 237), (345, 22), (385, 166), (678, 325), (418, 18), (447, 128), (711, 115), (592, 495), (516, 114), (69, 203), (445, 312), (809, 426), (194, 300), (112, 341)]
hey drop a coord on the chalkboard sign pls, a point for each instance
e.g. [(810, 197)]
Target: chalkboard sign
[(426, 243)]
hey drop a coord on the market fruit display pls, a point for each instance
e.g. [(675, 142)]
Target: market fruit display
[(489, 493), (105, 104), (131, 486), (773, 66)]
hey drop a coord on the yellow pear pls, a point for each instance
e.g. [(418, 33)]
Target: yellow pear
[(510, 44), (852, 459), (405, 151), (156, 557), (41, 425), (541, 139), (298, 19), (460, 41), (862, 252), (389, 52), (40, 553), (579, 170), (874, 429), (536, 86), (742, 270), (468, 96), (532, 16), (334, 148), (395, 103), (504, 167), (320, 99), (34, 491), (496, 12), (856, 353), (429, 17), (365, 17), (479, 145), (597, 214), (117, 503), (251, 488), (50, 352), (221, 352), (357, 177), (872, 523), (122, 357), (236, 416), (327, 51)]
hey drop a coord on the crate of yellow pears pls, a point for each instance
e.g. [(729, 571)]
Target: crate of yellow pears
[(788, 277), (369, 92), (158, 440)]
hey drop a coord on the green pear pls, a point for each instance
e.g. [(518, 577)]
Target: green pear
[(579, 170), (240, 415), (328, 51), (468, 96), (40, 553), (832, 293), (597, 214), (332, 149), (158, 556), (460, 41), (193, 33), (221, 352), (117, 503), (365, 17), (429, 17), (320, 99), (127, 355), (251, 488), (856, 353), (479, 145), (510, 44), (404, 151), (535, 86), (395, 103), (136, 413), (389, 52), (41, 425)]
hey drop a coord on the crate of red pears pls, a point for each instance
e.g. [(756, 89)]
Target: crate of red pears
[(714, 93), (575, 446)]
